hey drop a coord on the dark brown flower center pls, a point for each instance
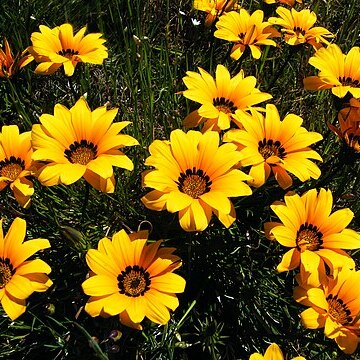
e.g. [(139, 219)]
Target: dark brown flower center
[(134, 281), (338, 310), (309, 237), (299, 30), (225, 105), (81, 152), (348, 81), (270, 147), (241, 38), (11, 168), (6, 272), (194, 183), (68, 52)]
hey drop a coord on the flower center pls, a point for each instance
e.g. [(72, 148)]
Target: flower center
[(338, 310), (68, 53), (348, 81), (269, 148), (241, 37), (11, 168), (308, 237), (299, 30), (6, 272), (224, 105), (194, 183), (81, 152), (134, 281)]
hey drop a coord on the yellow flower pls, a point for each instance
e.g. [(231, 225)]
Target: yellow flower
[(245, 30), (221, 98), (273, 352), (132, 279), (16, 164), (285, 2), (10, 65), (335, 306), (338, 72), (214, 8), (79, 142), (20, 277), (349, 132), (313, 235), (57, 47), (298, 27), (270, 145), (195, 177)]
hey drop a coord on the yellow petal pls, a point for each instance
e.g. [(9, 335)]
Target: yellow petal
[(105, 185), (312, 319), (33, 266), (273, 352), (290, 260), (155, 200), (27, 249), (155, 310), (100, 285), (102, 264), (137, 308), (19, 287), (196, 217), (285, 236), (14, 238), (13, 307), (168, 283)]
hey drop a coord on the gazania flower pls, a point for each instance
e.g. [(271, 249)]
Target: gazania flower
[(273, 352), (79, 142), (221, 98), (313, 235), (335, 306), (351, 112), (338, 72), (271, 145), (16, 164), (285, 2), (10, 65), (20, 277), (132, 279), (214, 8), (195, 177), (349, 132), (57, 47), (245, 30), (298, 27)]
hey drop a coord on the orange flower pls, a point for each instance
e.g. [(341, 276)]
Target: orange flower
[(57, 47), (338, 72), (335, 306), (10, 65), (349, 132), (132, 279), (245, 31), (214, 8), (20, 277)]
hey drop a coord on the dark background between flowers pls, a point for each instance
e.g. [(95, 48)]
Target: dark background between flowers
[(235, 302)]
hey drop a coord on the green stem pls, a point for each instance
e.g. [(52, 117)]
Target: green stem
[(292, 52), (86, 200)]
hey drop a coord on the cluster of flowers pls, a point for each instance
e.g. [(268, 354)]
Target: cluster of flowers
[(128, 277), (327, 277), (193, 174)]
